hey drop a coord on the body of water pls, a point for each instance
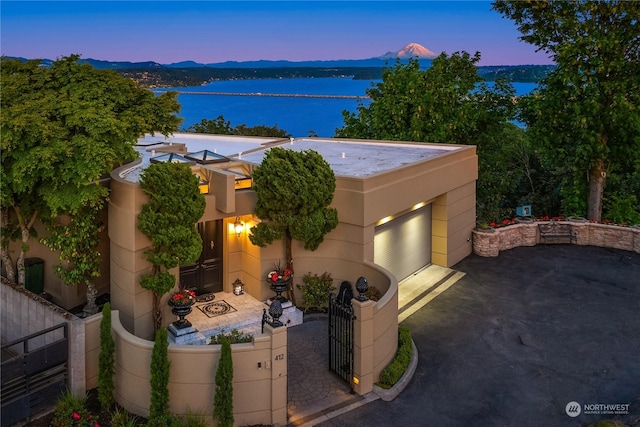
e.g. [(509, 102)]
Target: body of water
[(298, 116)]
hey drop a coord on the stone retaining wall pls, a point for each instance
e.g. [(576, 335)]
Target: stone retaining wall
[(489, 243)]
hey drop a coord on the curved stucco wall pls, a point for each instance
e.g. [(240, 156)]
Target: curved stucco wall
[(385, 320), (192, 376)]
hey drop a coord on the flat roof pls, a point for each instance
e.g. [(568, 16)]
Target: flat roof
[(353, 158), (347, 157)]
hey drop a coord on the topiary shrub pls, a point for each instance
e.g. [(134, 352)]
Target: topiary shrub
[(223, 400), (398, 366), (315, 291), (105, 360)]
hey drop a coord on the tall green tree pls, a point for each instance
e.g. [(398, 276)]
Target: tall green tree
[(106, 360), (585, 111), (159, 415), (223, 399), (447, 103), (169, 220), (221, 126), (63, 128), (294, 190)]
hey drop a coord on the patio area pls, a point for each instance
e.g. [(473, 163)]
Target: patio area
[(226, 312), (223, 313)]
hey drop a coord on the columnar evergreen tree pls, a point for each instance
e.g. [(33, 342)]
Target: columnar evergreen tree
[(159, 415), (294, 190), (585, 112), (62, 128), (106, 360), (168, 220), (223, 399)]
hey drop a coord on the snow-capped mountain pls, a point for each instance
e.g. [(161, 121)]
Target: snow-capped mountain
[(412, 50)]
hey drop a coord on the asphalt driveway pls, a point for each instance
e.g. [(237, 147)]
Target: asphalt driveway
[(519, 338)]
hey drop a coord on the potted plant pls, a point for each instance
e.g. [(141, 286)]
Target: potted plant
[(279, 279), (180, 303)]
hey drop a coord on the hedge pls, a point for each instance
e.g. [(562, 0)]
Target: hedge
[(398, 366)]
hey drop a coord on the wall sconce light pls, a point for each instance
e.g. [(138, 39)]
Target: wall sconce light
[(238, 287), (238, 226)]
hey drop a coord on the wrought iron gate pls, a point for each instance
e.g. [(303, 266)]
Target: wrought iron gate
[(341, 319)]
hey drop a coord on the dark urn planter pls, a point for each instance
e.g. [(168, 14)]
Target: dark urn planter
[(181, 310), (279, 286)]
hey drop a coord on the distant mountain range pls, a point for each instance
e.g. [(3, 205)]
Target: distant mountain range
[(411, 50), (191, 73)]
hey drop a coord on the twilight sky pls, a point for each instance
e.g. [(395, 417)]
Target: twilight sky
[(218, 31)]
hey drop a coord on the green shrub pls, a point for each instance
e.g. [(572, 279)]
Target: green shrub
[(193, 419), (622, 209), (159, 415), (105, 360), (223, 400), (234, 337), (316, 289), (123, 418), (71, 410), (398, 366)]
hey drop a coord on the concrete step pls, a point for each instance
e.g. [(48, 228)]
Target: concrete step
[(421, 288)]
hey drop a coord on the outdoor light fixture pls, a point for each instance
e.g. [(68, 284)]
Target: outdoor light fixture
[(238, 287), (238, 226)]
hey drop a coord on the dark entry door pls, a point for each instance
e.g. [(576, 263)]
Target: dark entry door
[(205, 276)]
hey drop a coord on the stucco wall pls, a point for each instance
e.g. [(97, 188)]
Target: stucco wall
[(259, 394)]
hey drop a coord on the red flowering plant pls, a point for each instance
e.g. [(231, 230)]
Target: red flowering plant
[(83, 421), (280, 274), (183, 297)]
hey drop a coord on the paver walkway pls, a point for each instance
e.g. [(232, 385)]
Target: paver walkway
[(315, 394), (312, 388)]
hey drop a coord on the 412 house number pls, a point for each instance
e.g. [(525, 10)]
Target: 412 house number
[(279, 357)]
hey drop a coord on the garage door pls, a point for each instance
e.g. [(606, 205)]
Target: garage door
[(403, 245)]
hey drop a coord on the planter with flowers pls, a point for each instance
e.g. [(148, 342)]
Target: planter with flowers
[(279, 281), (180, 303)]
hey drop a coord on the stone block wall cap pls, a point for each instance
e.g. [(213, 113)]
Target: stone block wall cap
[(484, 230), (577, 219)]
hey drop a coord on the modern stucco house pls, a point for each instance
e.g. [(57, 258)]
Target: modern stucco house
[(400, 205)]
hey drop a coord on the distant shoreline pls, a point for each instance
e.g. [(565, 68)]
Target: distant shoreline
[(185, 77)]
